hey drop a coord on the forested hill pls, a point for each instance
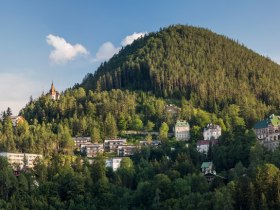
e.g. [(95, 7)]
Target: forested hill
[(209, 69)]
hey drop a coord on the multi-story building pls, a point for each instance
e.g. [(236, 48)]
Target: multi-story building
[(126, 150), (21, 160), (92, 150), (78, 141), (268, 132), (182, 130), (154, 143), (212, 132), (210, 135), (111, 145)]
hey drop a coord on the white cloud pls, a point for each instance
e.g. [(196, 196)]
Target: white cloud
[(130, 38), (15, 90), (64, 51), (106, 51)]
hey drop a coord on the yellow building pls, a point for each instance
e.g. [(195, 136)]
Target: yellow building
[(20, 160)]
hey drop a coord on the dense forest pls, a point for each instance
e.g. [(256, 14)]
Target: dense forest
[(210, 70), (166, 177), (207, 77)]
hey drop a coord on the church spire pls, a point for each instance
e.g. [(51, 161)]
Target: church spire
[(52, 89), (53, 93)]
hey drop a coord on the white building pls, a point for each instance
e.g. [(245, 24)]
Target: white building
[(91, 150), (19, 160), (126, 150), (146, 143), (202, 146), (212, 132), (111, 145), (182, 130), (78, 141), (114, 163)]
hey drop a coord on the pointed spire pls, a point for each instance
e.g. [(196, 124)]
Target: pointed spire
[(52, 89), (53, 93)]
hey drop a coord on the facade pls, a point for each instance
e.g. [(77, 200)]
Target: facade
[(114, 163), (154, 143), (203, 145), (212, 132), (16, 120), (268, 132), (21, 160), (126, 150), (78, 141), (182, 130), (111, 145), (92, 150), (53, 93)]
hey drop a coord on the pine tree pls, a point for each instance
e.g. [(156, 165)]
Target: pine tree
[(110, 126)]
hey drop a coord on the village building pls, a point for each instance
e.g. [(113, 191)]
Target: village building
[(16, 120), (53, 93), (207, 167), (21, 160), (126, 150), (92, 150), (268, 132), (182, 130), (78, 141), (212, 132), (154, 143), (111, 145), (114, 163), (211, 135), (203, 146)]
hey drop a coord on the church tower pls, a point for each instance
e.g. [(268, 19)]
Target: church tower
[(53, 93)]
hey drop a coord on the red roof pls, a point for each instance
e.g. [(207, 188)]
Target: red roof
[(206, 142), (202, 142)]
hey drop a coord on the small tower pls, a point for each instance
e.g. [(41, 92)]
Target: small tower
[(53, 93)]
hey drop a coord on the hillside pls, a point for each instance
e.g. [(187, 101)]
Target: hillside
[(154, 177), (210, 70)]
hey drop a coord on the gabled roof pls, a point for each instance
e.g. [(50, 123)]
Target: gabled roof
[(206, 164), (272, 119)]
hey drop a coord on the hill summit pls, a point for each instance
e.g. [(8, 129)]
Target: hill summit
[(210, 70)]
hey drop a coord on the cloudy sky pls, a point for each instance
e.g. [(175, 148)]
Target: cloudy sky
[(61, 41)]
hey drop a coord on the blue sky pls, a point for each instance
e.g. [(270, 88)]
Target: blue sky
[(61, 41)]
